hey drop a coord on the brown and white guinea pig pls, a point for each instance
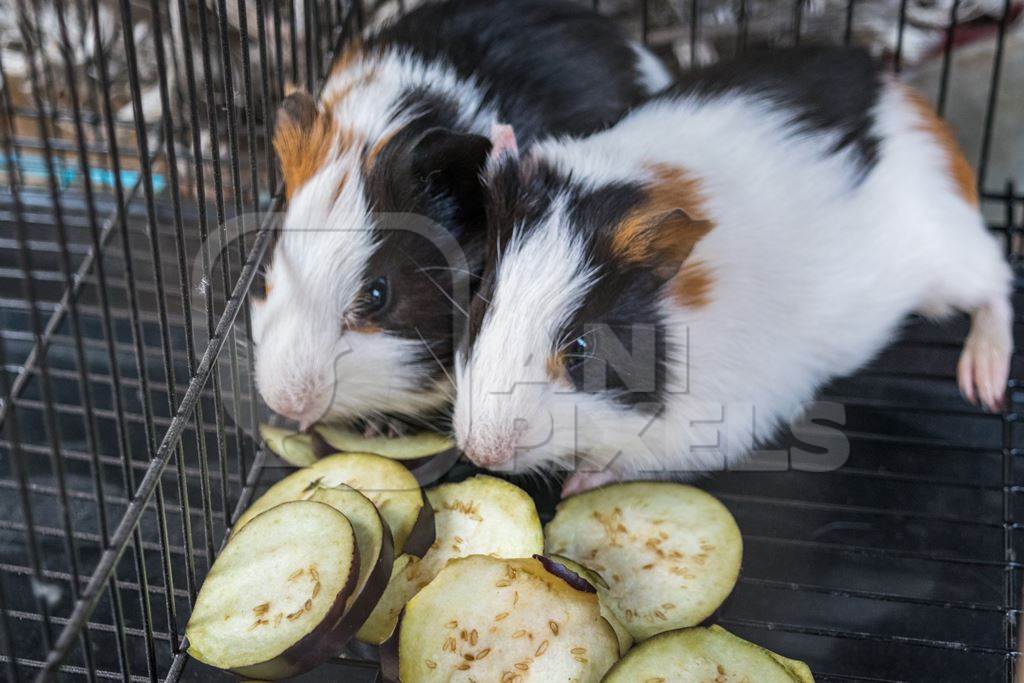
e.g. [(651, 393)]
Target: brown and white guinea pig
[(384, 225), (660, 296)]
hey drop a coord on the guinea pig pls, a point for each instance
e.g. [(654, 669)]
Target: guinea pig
[(660, 296), (382, 237)]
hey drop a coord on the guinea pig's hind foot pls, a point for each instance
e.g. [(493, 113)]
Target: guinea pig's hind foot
[(984, 365)]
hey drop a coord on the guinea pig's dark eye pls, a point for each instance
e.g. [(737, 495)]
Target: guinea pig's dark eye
[(577, 351), (375, 295)]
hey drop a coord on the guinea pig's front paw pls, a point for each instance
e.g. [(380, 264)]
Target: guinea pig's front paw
[(578, 482)]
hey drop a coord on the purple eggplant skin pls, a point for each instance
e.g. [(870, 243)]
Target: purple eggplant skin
[(566, 574), (321, 449), (326, 640), (423, 532), (363, 604), (388, 651)]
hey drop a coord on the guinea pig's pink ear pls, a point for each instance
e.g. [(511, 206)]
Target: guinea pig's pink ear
[(301, 138), (450, 163), (503, 141)]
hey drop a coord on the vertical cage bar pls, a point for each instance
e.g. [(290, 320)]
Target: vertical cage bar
[(167, 119), (901, 27), (124, 447), (46, 388), (947, 58), (141, 141), (117, 611), (848, 27), (218, 193), (6, 643), (993, 98), (200, 191)]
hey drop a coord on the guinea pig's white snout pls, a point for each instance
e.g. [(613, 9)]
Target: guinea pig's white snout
[(491, 450), (299, 403)]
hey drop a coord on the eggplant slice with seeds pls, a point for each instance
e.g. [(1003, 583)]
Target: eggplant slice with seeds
[(704, 654), (402, 585), (490, 619), (387, 483), (670, 553), (274, 601), (482, 515), (376, 550), (596, 580)]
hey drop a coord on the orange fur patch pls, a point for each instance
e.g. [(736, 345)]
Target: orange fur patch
[(353, 52), (692, 286), (555, 368), (959, 168), (642, 235), (666, 228)]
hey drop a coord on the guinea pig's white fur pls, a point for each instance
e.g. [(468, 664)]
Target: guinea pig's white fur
[(811, 271), (305, 367)]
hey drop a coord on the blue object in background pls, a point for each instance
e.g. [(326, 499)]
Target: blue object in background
[(34, 167)]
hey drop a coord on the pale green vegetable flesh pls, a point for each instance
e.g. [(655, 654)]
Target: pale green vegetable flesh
[(670, 553), (621, 632), (490, 619), (273, 599), (404, 583), (700, 655), (388, 484), (408, 447), (373, 539), (294, 448), (480, 515)]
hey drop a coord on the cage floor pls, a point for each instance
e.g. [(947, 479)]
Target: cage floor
[(901, 565)]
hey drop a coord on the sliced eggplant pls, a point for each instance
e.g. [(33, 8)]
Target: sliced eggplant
[(410, 447), (273, 604), (385, 482), (490, 619), (481, 515), (595, 579), (799, 670), (428, 455), (373, 538), (405, 582), (295, 448), (671, 553), (700, 654)]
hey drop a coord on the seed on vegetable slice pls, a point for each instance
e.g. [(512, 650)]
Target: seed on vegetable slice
[(664, 543), (705, 654), (498, 650), (387, 483), (257, 575)]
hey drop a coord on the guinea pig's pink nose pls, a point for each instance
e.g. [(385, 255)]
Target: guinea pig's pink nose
[(295, 407), (490, 452)]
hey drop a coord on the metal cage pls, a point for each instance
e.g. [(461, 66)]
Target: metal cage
[(134, 132)]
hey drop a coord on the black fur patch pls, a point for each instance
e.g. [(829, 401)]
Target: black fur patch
[(832, 89), (548, 66), (627, 351)]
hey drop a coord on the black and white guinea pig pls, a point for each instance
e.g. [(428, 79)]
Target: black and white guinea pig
[(660, 296), (384, 226)]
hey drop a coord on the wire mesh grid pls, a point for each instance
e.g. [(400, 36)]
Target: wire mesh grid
[(133, 131)]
